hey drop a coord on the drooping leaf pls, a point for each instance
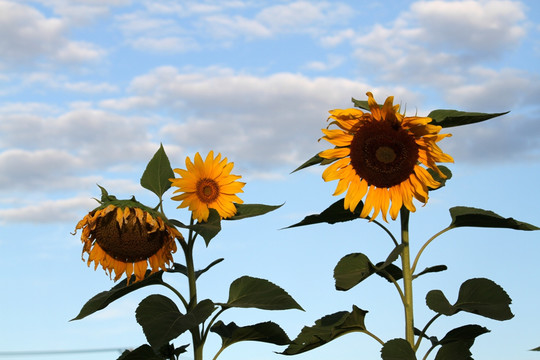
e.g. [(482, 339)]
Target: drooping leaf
[(315, 160), (157, 173), (327, 329), (446, 171), (468, 216), (431, 269), (268, 332), (390, 272), (104, 298), (351, 270), (183, 269), (162, 321), (250, 292), (208, 229), (478, 296), (397, 349), (333, 214), (250, 210), (450, 118), (143, 352), (456, 343)]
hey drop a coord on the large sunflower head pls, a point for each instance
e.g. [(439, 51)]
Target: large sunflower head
[(125, 236), (383, 156), (206, 185)]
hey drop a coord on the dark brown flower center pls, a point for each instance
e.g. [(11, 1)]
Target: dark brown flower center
[(207, 190), (383, 153), (132, 242)]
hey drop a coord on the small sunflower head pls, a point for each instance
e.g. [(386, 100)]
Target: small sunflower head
[(125, 236)]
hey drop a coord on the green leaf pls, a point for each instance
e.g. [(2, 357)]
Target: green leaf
[(250, 292), (250, 210), (536, 349), (268, 332), (327, 329), (104, 298), (435, 175), (389, 272), (450, 118), (469, 216), (362, 104), (431, 269), (333, 214), (478, 296), (315, 160), (457, 342), (397, 349), (208, 229), (143, 352), (157, 173), (179, 268), (351, 270), (162, 321)]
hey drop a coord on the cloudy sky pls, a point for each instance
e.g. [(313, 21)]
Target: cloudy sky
[(90, 88)]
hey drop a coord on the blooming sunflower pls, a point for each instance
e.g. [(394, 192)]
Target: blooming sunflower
[(125, 236), (380, 155), (206, 185)]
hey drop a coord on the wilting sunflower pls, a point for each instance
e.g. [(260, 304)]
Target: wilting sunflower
[(206, 185), (380, 155), (125, 236)]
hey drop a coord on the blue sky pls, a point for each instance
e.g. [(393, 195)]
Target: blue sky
[(90, 88)]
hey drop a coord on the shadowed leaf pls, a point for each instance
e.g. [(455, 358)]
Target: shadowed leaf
[(450, 118), (333, 214), (162, 321), (104, 298), (351, 270), (397, 349), (143, 352), (183, 270), (267, 332), (467, 216), (446, 171), (327, 329), (208, 229), (456, 343), (250, 210), (315, 160), (431, 269), (250, 292), (157, 173)]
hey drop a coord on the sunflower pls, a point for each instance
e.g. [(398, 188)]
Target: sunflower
[(126, 237), (206, 185), (380, 155)]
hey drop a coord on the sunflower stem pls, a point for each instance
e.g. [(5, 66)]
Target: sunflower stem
[(407, 277)]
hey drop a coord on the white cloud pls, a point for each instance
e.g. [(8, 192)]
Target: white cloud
[(28, 36), (49, 211), (165, 44)]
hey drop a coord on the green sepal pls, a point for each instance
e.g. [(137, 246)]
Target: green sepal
[(104, 298), (362, 104), (333, 214), (143, 352), (105, 197), (478, 296), (179, 268), (157, 173), (435, 175), (268, 332), (456, 343), (207, 229), (451, 118), (162, 321), (326, 329), (250, 292), (397, 349), (468, 216), (250, 210)]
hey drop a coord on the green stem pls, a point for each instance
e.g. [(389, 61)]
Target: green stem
[(186, 305), (407, 277), (424, 330), (426, 244), (387, 231)]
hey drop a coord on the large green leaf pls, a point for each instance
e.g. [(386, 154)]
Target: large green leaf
[(478, 296), (326, 329), (208, 229), (104, 298), (162, 321), (469, 216), (456, 343), (268, 332), (250, 292), (333, 214), (315, 160), (450, 118), (250, 210), (397, 349), (157, 173), (351, 270)]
